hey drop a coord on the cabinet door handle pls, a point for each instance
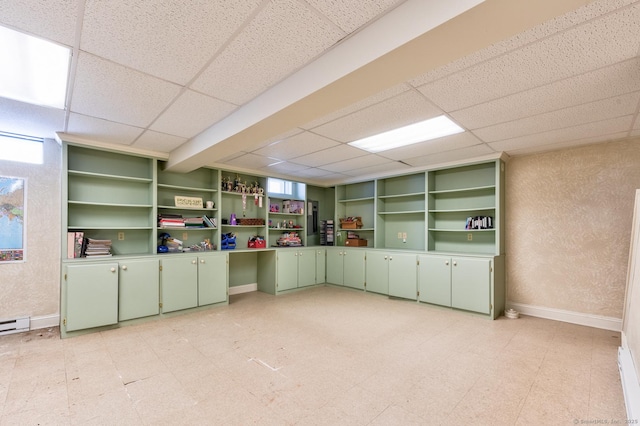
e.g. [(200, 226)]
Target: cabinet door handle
[(193, 262), (385, 258), (446, 262), (124, 267), (300, 254), (201, 260), (296, 254), (113, 269), (455, 263)]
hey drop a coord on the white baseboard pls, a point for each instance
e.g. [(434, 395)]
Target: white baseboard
[(630, 384), (596, 321), (247, 288), (45, 321)]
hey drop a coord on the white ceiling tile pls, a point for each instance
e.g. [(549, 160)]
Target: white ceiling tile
[(284, 167), (635, 133), (568, 144), (371, 100), (171, 40), (576, 17), (110, 91), (598, 43), (314, 172), (156, 141), (568, 117), (330, 155), (348, 166), (604, 127), (283, 37), (603, 83), (102, 130), (450, 156), (55, 20), (406, 108), (250, 161), (448, 143), (350, 16), (191, 113), (637, 123), (296, 146), (32, 120), (386, 168)]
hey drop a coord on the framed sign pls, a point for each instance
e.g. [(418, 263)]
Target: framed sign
[(188, 202), (12, 219)]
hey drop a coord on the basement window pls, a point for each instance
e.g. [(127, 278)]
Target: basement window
[(21, 148)]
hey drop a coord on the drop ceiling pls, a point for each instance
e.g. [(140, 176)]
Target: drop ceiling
[(279, 87)]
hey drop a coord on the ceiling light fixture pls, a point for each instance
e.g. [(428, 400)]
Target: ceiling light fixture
[(413, 133), (33, 70)]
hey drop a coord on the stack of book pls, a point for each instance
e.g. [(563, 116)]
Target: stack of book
[(194, 222), (166, 220), (95, 248)]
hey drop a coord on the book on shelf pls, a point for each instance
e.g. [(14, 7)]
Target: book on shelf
[(209, 222), (94, 247)]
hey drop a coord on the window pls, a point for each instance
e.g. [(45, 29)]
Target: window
[(26, 149), (279, 186)]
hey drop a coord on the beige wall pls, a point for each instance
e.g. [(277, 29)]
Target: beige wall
[(32, 288), (568, 227)]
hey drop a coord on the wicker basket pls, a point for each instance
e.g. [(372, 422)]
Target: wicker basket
[(351, 223), (251, 221)]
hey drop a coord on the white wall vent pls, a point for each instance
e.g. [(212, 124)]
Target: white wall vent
[(15, 325)]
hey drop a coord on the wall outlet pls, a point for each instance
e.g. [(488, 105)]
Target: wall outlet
[(399, 235), (469, 237), (404, 236), (120, 236), (185, 236)]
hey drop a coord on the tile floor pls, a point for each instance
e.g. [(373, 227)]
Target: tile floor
[(322, 356)]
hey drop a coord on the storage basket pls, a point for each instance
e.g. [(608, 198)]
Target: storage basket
[(351, 222), (251, 221)]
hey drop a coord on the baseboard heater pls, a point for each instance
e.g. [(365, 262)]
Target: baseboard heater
[(14, 325)]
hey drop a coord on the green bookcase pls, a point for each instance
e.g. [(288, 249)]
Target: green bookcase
[(244, 206), (356, 200), (201, 183), (109, 195)]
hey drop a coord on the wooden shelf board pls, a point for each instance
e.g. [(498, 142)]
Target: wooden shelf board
[(186, 188)]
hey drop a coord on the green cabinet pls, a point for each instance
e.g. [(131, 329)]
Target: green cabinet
[(392, 273), (139, 288), (434, 280), (90, 295), (296, 268), (188, 281), (469, 283), (213, 270), (321, 265), (346, 267), (179, 282)]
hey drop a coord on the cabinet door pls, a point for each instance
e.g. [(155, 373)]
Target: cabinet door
[(321, 266), (91, 295), (335, 266), (354, 268), (306, 267), (434, 281), (179, 280), (471, 284), (377, 272), (212, 278), (403, 276), (287, 275), (139, 289)]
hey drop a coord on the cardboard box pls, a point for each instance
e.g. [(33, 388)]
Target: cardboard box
[(353, 242), (351, 223)]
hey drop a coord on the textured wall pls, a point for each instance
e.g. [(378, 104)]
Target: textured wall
[(568, 220), (32, 288)]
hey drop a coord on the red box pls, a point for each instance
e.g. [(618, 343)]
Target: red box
[(257, 244)]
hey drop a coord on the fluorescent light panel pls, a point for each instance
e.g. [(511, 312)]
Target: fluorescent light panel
[(413, 133), (33, 70)]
